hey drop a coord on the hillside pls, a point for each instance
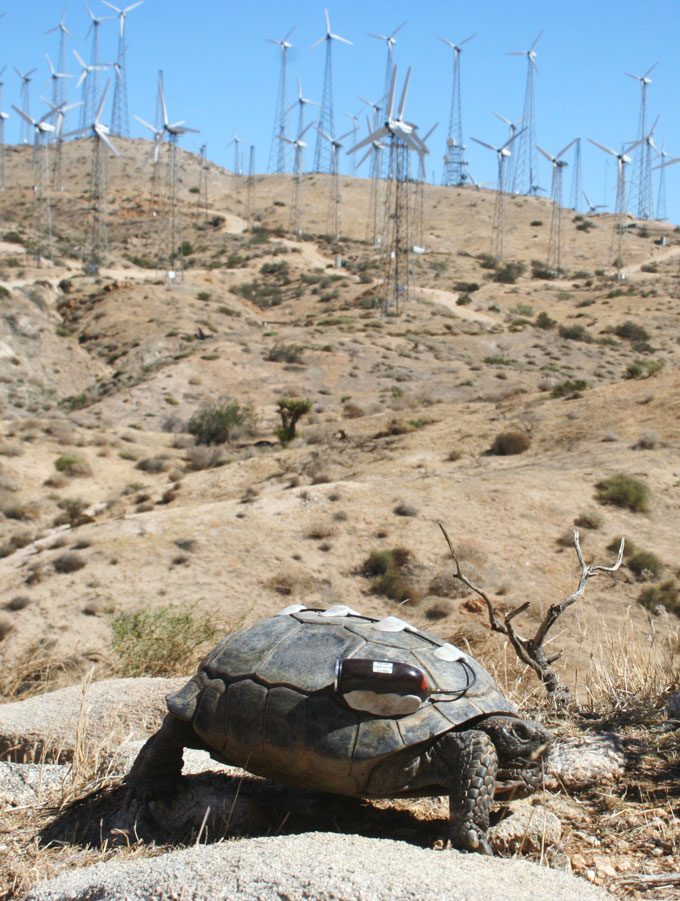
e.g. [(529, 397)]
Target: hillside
[(107, 369)]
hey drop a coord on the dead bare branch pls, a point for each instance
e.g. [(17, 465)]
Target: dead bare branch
[(530, 650)]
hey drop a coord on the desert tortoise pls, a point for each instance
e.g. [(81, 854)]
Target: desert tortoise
[(339, 702)]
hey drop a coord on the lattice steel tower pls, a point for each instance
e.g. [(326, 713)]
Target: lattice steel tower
[(455, 149), (576, 192), (642, 160), (322, 153), (555, 241), (120, 120), (526, 171), (277, 152)]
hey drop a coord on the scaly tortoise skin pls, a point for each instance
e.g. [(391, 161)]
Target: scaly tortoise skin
[(264, 699)]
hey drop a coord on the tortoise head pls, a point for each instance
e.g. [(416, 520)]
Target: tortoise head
[(520, 745)]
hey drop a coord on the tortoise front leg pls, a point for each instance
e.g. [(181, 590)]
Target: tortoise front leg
[(471, 761), (158, 767)]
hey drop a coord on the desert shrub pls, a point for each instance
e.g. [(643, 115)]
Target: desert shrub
[(645, 565), (73, 512), (203, 456), (154, 464), (648, 440), (590, 520), (539, 269), (570, 388), (543, 320), (509, 272), (353, 411), (18, 602), (463, 300), (575, 333), (386, 571), (631, 331), (291, 409), (161, 641), (285, 353), (68, 562), (664, 595), (643, 369), (508, 443), (72, 465), (216, 422), (466, 287), (438, 610), (624, 491)]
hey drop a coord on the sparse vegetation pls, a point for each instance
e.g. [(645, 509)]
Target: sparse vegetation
[(72, 465), (664, 595), (386, 569), (508, 443), (624, 491), (216, 422), (285, 353), (161, 641)]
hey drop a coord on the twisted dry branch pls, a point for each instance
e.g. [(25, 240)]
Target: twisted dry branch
[(530, 650)]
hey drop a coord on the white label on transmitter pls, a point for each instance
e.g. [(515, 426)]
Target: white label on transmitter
[(381, 667)]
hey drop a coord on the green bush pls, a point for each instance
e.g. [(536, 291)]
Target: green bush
[(643, 369), (664, 595), (160, 642), (215, 423), (570, 388), (631, 331), (543, 320), (575, 333), (624, 491), (645, 565), (509, 273), (71, 465), (386, 571)]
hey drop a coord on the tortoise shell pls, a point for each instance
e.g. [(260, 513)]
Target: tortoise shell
[(265, 698)]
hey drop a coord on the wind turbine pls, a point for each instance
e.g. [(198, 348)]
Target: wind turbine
[(503, 154), (173, 131), (41, 128), (526, 171), (120, 123), (59, 96), (642, 177), (327, 118), (555, 241), (594, 207), (93, 30), (55, 79), (403, 139), (420, 196), (512, 131), (375, 151), (301, 103), (3, 117), (622, 160), (455, 149), (334, 196), (645, 190), (277, 153), (390, 40), (60, 113), (661, 193), (25, 102), (97, 238), (237, 153), (89, 98), (296, 209)]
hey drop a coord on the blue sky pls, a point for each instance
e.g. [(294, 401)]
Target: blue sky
[(220, 74)]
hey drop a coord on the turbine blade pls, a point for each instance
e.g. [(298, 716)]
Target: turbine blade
[(316, 43), (402, 102), (23, 115), (436, 125), (602, 147), (447, 41), (467, 39), (105, 138), (150, 127), (502, 118), (366, 155), (564, 150), (650, 69), (390, 102), (336, 37), (538, 37), (381, 37), (546, 155), (102, 102), (484, 144), (374, 136)]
